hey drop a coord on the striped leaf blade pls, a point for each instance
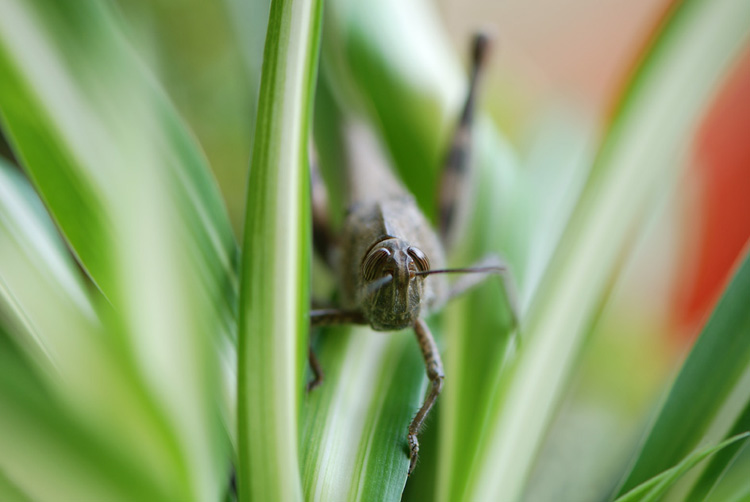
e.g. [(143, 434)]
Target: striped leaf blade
[(354, 428), (704, 404), (130, 191), (57, 421), (655, 488), (638, 159), (274, 298), (60, 109)]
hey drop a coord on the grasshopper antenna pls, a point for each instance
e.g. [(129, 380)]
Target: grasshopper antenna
[(461, 286), (470, 270)]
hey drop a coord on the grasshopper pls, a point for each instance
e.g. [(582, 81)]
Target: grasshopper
[(388, 250)]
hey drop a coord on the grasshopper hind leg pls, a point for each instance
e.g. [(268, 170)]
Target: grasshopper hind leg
[(453, 178)]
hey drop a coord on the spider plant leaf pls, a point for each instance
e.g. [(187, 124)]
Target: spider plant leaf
[(10, 492), (723, 465), (41, 287), (389, 62), (42, 437), (655, 488), (130, 191), (479, 326), (704, 404), (57, 422), (274, 298), (693, 50), (355, 423), (68, 97)]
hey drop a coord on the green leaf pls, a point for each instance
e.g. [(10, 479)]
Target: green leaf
[(723, 462), (704, 404), (693, 51), (274, 295), (479, 325), (42, 295), (197, 56), (58, 422), (80, 110), (410, 86), (132, 195), (656, 487), (10, 492), (354, 428), (76, 462)]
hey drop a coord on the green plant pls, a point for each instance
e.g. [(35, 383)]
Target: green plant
[(141, 347)]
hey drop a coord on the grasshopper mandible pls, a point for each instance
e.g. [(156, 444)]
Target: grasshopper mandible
[(388, 250)]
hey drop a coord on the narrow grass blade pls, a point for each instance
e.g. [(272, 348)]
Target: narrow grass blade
[(640, 156), (655, 488), (722, 463), (276, 259), (704, 404)]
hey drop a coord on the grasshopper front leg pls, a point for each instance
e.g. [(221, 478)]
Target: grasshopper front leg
[(434, 367), (327, 317)]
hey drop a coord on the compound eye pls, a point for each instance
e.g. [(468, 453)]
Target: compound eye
[(372, 268), (423, 264)]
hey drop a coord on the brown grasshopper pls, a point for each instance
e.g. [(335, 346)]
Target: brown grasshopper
[(388, 250)]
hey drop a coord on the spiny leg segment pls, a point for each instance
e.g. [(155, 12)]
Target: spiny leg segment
[(434, 367)]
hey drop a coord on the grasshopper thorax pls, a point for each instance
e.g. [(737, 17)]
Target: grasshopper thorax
[(392, 289)]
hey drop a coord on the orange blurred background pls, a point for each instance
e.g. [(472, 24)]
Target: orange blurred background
[(584, 50)]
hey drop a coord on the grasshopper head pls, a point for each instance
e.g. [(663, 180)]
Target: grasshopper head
[(393, 291)]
